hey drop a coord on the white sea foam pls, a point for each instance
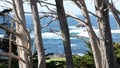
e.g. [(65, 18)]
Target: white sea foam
[(78, 32), (49, 35), (73, 45), (115, 31), (1, 35), (79, 54), (82, 32)]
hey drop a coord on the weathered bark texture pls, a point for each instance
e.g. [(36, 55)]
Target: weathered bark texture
[(65, 33), (115, 12), (93, 38), (106, 47), (23, 41), (102, 47), (38, 36)]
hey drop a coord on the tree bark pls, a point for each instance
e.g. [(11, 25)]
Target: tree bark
[(106, 47), (65, 33), (38, 36), (115, 12), (93, 38), (23, 40), (102, 48)]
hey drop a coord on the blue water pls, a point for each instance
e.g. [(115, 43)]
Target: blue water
[(53, 43)]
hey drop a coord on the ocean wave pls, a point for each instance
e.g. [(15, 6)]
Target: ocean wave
[(1, 35), (82, 32), (73, 45), (115, 31), (75, 32), (48, 35)]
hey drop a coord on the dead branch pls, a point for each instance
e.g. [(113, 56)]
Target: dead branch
[(12, 55), (116, 18), (12, 32), (10, 47), (10, 51), (115, 12), (56, 32), (47, 3), (19, 20), (5, 2), (112, 7), (54, 19), (76, 18), (45, 6), (16, 13), (94, 14), (8, 2), (49, 13)]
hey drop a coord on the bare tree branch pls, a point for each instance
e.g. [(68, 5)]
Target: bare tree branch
[(94, 14), (115, 12), (112, 7), (49, 13), (54, 19), (5, 2), (10, 47), (47, 3), (5, 28), (45, 6), (76, 18), (56, 32), (12, 55)]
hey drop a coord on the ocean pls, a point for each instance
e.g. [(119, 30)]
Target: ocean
[(52, 42)]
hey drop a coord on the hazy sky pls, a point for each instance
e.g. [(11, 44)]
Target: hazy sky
[(69, 6)]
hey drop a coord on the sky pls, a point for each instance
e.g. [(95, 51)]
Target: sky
[(68, 5)]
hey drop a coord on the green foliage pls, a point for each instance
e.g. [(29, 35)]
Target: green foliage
[(117, 52), (4, 63), (55, 62), (85, 61), (56, 59)]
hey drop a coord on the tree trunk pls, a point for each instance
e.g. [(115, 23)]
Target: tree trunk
[(93, 38), (38, 36), (102, 48), (65, 33), (23, 40), (107, 54)]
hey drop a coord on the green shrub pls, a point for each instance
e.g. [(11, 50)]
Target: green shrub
[(55, 64), (117, 52), (3, 65), (85, 61)]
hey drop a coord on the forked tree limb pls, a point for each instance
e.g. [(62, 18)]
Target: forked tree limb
[(10, 31), (12, 56)]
